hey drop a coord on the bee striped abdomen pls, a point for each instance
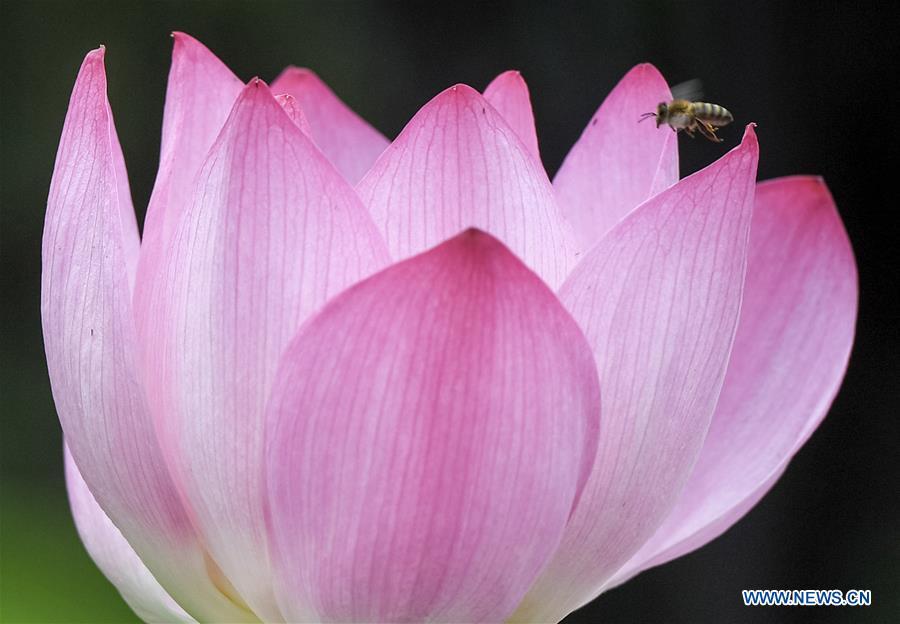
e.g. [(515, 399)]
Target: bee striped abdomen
[(712, 114)]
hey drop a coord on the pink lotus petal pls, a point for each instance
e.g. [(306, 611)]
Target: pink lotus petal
[(458, 164), (115, 557), (293, 110), (200, 94), (272, 233), (618, 163), (89, 334), (428, 434), (342, 135), (789, 357), (508, 93), (658, 299), (128, 230)]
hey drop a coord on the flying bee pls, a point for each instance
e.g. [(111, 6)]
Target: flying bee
[(684, 114)]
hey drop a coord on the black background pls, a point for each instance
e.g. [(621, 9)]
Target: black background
[(819, 79)]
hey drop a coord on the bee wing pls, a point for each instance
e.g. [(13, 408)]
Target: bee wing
[(690, 90)]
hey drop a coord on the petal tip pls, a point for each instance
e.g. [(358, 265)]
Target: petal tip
[(749, 141), (813, 187), (511, 74), (460, 90), (476, 238), (510, 78), (96, 55), (182, 38), (185, 44), (648, 72), (475, 234), (460, 96), (256, 95), (818, 186), (298, 74), (93, 68), (811, 181), (255, 87), (476, 245), (645, 67)]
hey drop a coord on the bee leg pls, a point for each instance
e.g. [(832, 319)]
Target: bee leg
[(709, 131), (689, 131)]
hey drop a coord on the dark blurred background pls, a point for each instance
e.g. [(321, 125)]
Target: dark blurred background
[(819, 78)]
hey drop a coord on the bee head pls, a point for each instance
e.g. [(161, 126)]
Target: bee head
[(662, 113)]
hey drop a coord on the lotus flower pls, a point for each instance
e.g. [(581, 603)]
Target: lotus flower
[(341, 379)]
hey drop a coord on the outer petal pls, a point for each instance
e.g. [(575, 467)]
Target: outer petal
[(618, 163), (115, 557), (342, 135), (790, 354), (658, 299), (458, 164), (91, 350), (508, 93), (272, 233), (427, 436)]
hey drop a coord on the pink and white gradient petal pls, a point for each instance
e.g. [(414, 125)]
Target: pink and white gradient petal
[(618, 163), (790, 354), (350, 143), (428, 434), (115, 557), (458, 164), (508, 93), (90, 240), (200, 94), (273, 231), (658, 299)]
